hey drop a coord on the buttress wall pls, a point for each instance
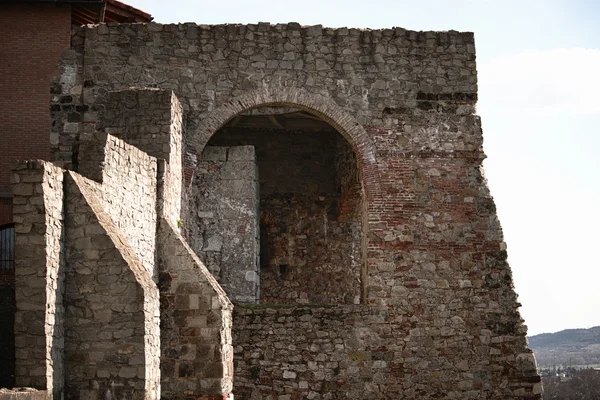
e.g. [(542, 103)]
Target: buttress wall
[(112, 305), (89, 248), (195, 315), (128, 190), (151, 121), (39, 275)]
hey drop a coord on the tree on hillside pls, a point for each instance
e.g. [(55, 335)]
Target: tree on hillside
[(583, 385)]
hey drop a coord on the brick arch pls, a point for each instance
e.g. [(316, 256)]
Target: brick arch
[(320, 106)]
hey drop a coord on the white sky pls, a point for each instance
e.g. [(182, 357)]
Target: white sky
[(539, 87)]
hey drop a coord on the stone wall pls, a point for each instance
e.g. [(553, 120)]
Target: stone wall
[(129, 197), (196, 349), (147, 119), (128, 190), (353, 210), (150, 120), (348, 181), (112, 324), (370, 73), (405, 102), (70, 117), (102, 259), (222, 225), (364, 352), (39, 275)]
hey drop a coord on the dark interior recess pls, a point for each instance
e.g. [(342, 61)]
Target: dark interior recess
[(310, 207)]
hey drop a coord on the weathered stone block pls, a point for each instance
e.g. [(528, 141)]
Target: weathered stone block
[(239, 153), (191, 300), (214, 153)]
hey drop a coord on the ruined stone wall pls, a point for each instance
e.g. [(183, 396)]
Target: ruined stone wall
[(405, 102), (129, 197), (129, 190), (368, 72), (84, 299), (70, 118), (39, 275), (151, 121), (196, 356), (310, 246), (112, 305), (196, 346), (222, 224)]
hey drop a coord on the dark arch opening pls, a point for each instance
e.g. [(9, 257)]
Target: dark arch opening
[(317, 105), (280, 189)]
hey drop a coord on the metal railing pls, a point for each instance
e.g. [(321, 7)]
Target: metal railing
[(7, 247)]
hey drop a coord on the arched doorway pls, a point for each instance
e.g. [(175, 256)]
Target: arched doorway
[(278, 203)]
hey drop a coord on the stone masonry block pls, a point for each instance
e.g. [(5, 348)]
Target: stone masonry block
[(214, 153), (240, 153), (239, 170)]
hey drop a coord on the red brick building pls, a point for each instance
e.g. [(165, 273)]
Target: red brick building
[(33, 34)]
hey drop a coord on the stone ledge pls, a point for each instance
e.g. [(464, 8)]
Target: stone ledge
[(24, 393)]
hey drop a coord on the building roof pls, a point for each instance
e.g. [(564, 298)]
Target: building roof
[(116, 11), (96, 11)]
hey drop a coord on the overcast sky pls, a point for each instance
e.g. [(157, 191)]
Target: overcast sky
[(539, 88)]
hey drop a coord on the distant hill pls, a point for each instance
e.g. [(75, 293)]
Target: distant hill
[(571, 347)]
